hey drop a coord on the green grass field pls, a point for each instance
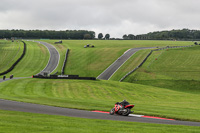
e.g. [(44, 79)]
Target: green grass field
[(128, 66), (86, 61), (167, 87), (174, 64), (101, 95), (34, 61), (19, 122), (91, 62), (9, 53)]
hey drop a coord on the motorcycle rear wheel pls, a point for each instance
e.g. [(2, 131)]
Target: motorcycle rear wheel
[(127, 112), (112, 111)]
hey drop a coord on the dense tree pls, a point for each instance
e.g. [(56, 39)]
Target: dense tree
[(184, 34), (48, 34), (100, 36), (125, 37), (87, 36), (107, 36), (130, 36)]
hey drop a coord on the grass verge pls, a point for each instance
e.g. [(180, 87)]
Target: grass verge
[(101, 95), (19, 122)]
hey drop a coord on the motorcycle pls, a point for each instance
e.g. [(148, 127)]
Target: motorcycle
[(118, 109)]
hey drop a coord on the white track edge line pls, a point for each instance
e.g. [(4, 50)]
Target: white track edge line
[(134, 115)]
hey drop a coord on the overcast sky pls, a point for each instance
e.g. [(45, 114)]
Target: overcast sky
[(116, 17)]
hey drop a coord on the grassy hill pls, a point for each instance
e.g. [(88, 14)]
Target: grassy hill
[(174, 64), (129, 65), (102, 95), (93, 61), (34, 61), (166, 87), (9, 53), (85, 61)]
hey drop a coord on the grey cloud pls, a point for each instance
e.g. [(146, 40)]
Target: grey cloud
[(116, 17)]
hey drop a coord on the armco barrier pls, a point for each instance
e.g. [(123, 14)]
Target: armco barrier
[(148, 56), (13, 66), (64, 77), (64, 64)]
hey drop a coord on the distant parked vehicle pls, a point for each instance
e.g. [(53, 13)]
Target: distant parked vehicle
[(58, 42), (89, 45)]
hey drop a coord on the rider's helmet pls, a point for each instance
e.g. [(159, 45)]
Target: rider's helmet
[(124, 100)]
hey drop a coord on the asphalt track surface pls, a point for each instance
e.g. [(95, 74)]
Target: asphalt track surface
[(107, 74), (53, 60), (43, 109), (1, 80)]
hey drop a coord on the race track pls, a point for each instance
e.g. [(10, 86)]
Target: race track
[(106, 75), (53, 60), (43, 109)]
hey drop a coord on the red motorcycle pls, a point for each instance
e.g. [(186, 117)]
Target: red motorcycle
[(120, 110)]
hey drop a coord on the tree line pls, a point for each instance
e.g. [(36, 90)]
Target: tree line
[(183, 34), (47, 34), (100, 36)]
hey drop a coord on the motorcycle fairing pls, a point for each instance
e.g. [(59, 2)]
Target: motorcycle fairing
[(129, 106)]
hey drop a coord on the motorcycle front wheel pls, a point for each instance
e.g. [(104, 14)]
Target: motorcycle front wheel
[(127, 112), (112, 111)]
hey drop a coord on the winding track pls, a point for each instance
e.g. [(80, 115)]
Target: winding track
[(107, 74), (53, 60), (43, 109)]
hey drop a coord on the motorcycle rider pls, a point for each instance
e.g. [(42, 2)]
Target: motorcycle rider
[(120, 108), (123, 103)]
